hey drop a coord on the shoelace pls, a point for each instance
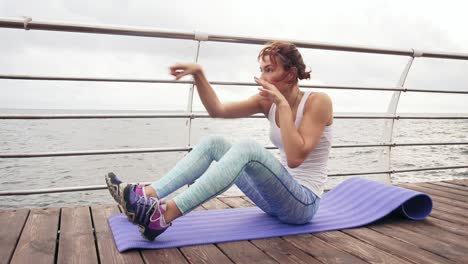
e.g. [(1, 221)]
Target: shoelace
[(146, 206)]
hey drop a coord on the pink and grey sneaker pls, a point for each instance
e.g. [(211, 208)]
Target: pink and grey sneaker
[(147, 213), (116, 187)]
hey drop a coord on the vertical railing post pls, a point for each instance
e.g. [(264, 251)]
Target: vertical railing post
[(199, 37), (387, 138)]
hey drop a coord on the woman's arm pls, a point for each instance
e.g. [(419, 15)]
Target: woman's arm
[(299, 143), (209, 98)]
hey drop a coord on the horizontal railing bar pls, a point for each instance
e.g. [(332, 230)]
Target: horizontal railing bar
[(397, 171), (103, 187), (97, 116), (91, 152), (54, 190), (387, 89), (432, 117), (427, 144), (336, 87), (156, 150), (357, 173), (193, 116), (163, 33), (429, 169), (91, 79)]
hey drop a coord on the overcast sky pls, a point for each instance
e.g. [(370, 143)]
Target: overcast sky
[(428, 25)]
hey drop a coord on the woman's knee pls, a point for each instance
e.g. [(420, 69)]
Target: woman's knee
[(249, 147), (214, 140), (215, 146)]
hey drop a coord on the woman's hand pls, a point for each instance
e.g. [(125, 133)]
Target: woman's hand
[(270, 91), (179, 70)]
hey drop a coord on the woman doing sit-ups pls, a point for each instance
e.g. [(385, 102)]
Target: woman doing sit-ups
[(288, 189)]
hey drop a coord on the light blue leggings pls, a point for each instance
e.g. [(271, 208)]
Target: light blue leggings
[(247, 164)]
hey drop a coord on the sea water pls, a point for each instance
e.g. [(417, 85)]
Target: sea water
[(55, 135)]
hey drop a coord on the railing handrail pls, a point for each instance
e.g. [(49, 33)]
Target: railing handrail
[(104, 187), (203, 36), (180, 149), (133, 80), (194, 116)]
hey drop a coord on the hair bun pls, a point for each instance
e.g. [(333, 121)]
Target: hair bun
[(304, 75)]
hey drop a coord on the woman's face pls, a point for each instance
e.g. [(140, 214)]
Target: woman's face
[(274, 74)]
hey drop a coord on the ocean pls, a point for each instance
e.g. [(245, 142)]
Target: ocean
[(45, 135)]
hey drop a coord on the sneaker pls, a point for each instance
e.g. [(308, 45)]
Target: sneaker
[(116, 187), (147, 213)]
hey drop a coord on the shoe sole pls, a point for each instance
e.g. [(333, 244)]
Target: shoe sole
[(114, 189), (123, 198), (117, 192), (147, 234)]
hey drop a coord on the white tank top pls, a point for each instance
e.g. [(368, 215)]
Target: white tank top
[(312, 173)]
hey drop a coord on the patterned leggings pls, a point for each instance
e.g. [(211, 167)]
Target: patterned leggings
[(247, 164)]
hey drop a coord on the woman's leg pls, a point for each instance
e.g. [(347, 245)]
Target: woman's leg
[(279, 194), (258, 173), (192, 166)]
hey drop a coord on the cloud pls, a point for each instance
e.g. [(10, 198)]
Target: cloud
[(395, 24)]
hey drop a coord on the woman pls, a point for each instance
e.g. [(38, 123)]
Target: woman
[(289, 188)]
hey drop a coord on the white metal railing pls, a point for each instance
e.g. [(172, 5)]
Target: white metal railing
[(103, 187), (335, 87), (390, 116), (29, 24), (188, 148), (193, 116)]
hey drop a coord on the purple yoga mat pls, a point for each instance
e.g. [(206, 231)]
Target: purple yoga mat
[(355, 202)]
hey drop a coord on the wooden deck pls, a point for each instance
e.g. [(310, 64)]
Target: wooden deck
[(82, 235)]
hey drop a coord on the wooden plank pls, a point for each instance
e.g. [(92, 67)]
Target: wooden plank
[(283, 251), (459, 182), (450, 251), (452, 203), (12, 222), (244, 252), (199, 208), (446, 225), (248, 200), (214, 204), (169, 256), (108, 252), (321, 250), (446, 191), (204, 254), (426, 228), (277, 248), (38, 240), (236, 202), (451, 210), (76, 244), (358, 248), (396, 247), (444, 215), (433, 191), (452, 186), (448, 198), (445, 188)]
